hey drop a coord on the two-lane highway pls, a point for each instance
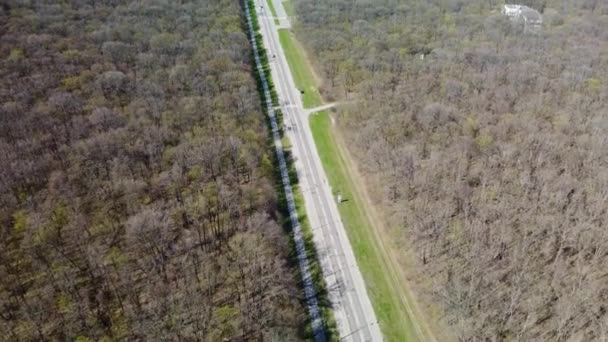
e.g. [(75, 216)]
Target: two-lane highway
[(312, 304), (352, 308)]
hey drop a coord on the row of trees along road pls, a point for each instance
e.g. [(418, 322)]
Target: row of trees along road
[(489, 156), (136, 191)]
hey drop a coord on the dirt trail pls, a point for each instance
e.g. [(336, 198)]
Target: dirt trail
[(382, 237)]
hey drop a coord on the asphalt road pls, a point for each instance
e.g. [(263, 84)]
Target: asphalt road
[(309, 288), (352, 308)]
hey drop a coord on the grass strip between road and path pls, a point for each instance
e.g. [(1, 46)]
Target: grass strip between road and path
[(273, 11), (288, 6), (311, 251), (300, 69), (395, 322)]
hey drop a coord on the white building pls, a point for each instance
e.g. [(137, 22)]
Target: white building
[(531, 18), (512, 10)]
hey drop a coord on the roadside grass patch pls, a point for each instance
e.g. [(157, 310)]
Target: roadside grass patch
[(299, 66), (395, 322), (288, 8)]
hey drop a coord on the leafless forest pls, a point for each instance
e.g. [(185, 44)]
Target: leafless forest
[(137, 199), (490, 154)]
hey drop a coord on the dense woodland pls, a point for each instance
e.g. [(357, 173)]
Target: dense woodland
[(490, 154), (137, 199)]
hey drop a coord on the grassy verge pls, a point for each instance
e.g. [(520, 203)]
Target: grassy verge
[(394, 320), (273, 11), (315, 267), (299, 65), (288, 8)]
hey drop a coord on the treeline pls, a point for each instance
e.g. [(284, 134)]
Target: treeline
[(137, 198), (487, 147)]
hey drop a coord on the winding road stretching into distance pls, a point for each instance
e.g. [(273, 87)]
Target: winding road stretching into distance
[(351, 305)]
